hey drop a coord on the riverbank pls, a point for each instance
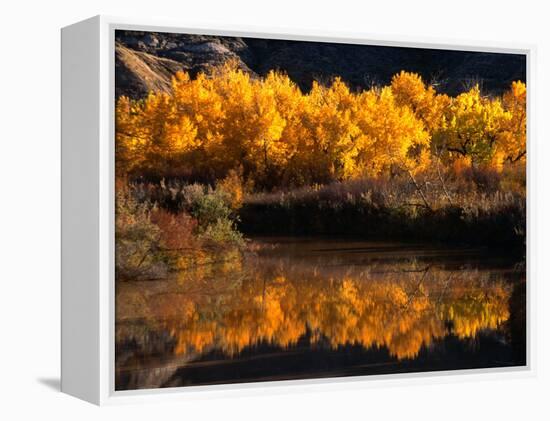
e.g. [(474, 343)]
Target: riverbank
[(475, 208), (171, 223), (493, 221)]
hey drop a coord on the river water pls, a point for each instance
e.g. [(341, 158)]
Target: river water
[(302, 308)]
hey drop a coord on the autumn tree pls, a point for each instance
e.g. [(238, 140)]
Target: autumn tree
[(199, 101), (410, 90), (289, 153), (276, 134), (513, 140), (471, 127), (332, 131), (394, 139)]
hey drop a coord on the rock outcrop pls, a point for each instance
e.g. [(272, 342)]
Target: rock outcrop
[(146, 61)]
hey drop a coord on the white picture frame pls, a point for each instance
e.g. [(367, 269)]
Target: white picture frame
[(88, 214)]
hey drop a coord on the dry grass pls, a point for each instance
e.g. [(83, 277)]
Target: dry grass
[(478, 207)]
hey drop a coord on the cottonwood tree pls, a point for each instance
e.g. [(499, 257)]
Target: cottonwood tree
[(513, 139), (471, 127), (279, 135)]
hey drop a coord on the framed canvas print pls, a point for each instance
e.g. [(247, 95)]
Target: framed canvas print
[(245, 209)]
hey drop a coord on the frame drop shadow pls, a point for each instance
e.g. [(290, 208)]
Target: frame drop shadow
[(53, 383)]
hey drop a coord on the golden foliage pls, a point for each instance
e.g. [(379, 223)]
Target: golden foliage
[(471, 126), (513, 140), (226, 120), (234, 187)]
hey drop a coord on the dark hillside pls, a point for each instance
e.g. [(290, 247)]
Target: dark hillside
[(147, 60)]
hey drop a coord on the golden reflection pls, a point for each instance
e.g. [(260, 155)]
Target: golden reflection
[(229, 307)]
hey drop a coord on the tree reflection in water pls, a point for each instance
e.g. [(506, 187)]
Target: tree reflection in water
[(284, 302)]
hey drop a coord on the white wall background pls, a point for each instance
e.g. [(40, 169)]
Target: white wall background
[(29, 206)]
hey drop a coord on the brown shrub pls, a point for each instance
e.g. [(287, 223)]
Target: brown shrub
[(176, 230)]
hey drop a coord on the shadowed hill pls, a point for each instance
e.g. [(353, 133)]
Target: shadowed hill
[(138, 72), (146, 61)]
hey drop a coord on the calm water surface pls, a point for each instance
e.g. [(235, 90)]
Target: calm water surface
[(309, 308)]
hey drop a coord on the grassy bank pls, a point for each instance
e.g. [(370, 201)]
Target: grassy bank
[(374, 209), (152, 239), (174, 225), (498, 220)]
